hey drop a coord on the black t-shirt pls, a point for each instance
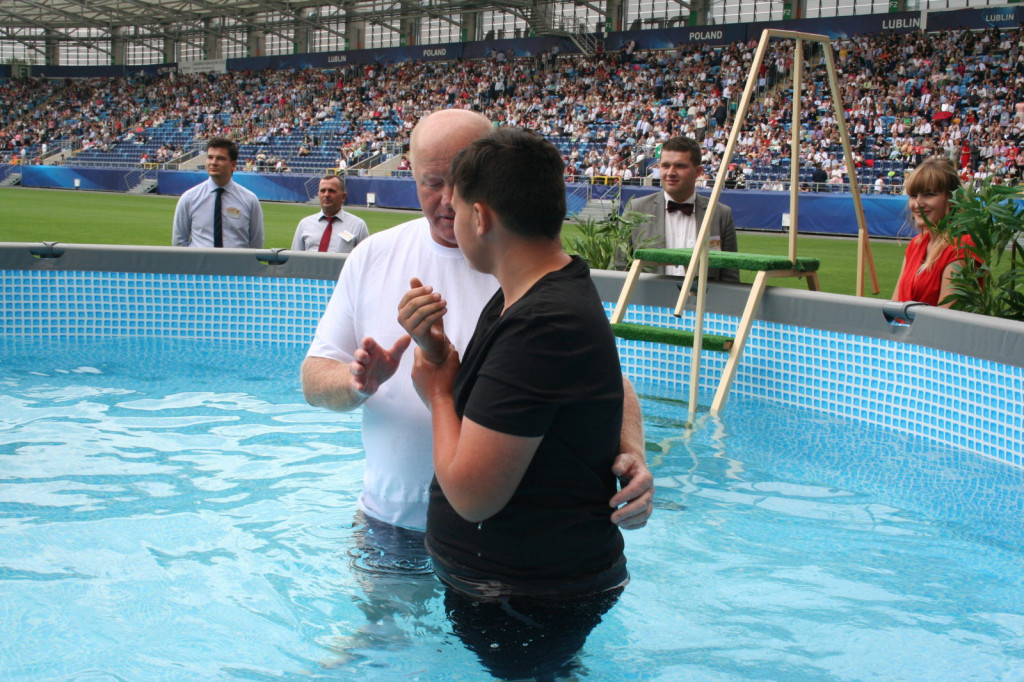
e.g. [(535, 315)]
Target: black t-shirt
[(546, 367)]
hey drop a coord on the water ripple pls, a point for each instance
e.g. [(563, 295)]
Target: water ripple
[(171, 510)]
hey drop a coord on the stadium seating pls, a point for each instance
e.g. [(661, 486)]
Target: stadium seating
[(582, 102)]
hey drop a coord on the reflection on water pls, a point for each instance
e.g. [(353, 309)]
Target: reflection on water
[(381, 549), (400, 593), (174, 510)]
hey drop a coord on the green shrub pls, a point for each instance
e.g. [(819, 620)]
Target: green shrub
[(605, 244), (994, 221)]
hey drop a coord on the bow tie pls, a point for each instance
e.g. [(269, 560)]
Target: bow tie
[(674, 206)]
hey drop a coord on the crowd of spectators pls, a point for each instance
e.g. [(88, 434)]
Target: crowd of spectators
[(907, 97)]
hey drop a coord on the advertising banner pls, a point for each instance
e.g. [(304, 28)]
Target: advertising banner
[(204, 66), (1002, 17), (668, 38), (330, 60), (844, 27), (44, 71)]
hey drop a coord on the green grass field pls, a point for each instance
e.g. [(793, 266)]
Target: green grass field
[(37, 215), (107, 218)]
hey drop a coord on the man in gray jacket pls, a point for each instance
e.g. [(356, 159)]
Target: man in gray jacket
[(678, 211)]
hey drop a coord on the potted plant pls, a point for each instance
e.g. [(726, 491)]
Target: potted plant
[(605, 244)]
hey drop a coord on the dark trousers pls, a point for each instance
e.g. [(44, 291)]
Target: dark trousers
[(526, 637)]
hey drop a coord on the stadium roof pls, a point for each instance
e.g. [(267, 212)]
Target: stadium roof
[(71, 14), (163, 16)]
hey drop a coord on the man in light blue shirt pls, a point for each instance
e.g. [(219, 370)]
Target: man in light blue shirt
[(331, 230), (219, 212)]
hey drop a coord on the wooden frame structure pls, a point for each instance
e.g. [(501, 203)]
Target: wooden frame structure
[(767, 267)]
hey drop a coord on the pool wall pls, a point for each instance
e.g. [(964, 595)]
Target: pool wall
[(953, 378)]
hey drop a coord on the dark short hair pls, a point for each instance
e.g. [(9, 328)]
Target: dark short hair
[(224, 143), (520, 175), (333, 176), (681, 143)]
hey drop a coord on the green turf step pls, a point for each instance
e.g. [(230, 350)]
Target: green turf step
[(729, 259), (673, 337)]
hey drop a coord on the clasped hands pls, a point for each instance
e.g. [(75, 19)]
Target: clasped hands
[(420, 313)]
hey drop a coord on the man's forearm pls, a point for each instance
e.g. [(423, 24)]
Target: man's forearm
[(328, 383), (632, 437), (634, 502)]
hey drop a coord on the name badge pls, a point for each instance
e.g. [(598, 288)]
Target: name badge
[(347, 236), (234, 212), (715, 243)]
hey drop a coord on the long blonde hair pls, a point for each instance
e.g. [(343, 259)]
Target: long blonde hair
[(938, 175)]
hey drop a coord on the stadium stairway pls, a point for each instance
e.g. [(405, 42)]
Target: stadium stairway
[(11, 180), (145, 187), (596, 209)]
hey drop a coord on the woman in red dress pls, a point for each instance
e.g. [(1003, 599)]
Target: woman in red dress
[(931, 260)]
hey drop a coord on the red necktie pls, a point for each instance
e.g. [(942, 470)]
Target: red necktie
[(674, 206), (325, 240)]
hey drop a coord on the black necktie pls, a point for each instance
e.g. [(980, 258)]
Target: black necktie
[(674, 206), (218, 229)]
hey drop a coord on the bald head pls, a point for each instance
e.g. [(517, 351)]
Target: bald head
[(446, 133), (435, 141)]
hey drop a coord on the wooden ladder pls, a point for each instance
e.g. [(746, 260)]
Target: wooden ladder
[(766, 267)]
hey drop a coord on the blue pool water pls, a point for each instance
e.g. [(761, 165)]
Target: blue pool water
[(173, 510)]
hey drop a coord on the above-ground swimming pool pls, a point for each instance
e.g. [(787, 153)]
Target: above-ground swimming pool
[(171, 509)]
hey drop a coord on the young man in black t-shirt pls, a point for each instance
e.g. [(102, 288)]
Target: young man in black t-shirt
[(526, 426)]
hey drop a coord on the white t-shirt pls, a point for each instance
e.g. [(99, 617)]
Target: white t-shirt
[(396, 424)]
